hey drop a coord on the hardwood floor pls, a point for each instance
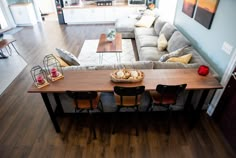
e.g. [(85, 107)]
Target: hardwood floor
[(27, 131)]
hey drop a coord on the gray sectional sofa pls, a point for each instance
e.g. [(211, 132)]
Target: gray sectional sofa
[(149, 57), (146, 42)]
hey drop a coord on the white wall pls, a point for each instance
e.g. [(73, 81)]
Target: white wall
[(167, 9), (46, 6), (2, 20), (7, 14)]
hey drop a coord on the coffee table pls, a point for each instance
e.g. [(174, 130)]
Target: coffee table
[(105, 46)]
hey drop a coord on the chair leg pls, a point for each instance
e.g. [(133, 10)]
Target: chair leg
[(136, 121), (115, 120), (169, 120), (100, 108), (92, 126)]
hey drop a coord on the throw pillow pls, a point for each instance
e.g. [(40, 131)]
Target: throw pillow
[(162, 42), (67, 57), (168, 29), (145, 21), (183, 59), (148, 12), (176, 53), (176, 41), (62, 62), (159, 23)]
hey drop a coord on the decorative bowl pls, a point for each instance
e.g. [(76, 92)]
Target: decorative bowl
[(125, 75)]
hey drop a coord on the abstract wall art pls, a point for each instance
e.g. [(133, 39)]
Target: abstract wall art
[(188, 7), (205, 12)]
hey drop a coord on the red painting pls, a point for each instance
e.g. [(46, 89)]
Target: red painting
[(188, 7), (205, 12)]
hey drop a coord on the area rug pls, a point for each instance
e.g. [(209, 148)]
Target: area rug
[(89, 56), (10, 68)]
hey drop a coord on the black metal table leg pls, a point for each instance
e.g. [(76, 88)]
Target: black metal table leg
[(50, 111), (59, 107), (188, 103)]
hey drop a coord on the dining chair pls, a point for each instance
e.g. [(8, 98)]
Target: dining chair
[(87, 101), (128, 97), (166, 96)]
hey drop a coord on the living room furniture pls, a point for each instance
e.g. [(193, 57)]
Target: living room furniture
[(87, 101), (128, 97), (166, 96), (23, 14), (105, 46), (147, 43), (6, 43), (99, 81)]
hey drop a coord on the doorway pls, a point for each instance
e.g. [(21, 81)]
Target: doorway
[(48, 10)]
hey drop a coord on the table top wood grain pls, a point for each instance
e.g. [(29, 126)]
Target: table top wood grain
[(105, 46), (99, 80)]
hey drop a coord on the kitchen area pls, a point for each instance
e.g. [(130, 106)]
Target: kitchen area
[(29, 12)]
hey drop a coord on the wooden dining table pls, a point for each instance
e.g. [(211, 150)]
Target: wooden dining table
[(100, 81)]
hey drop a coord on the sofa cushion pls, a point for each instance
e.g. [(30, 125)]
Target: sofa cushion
[(173, 65), (177, 41), (168, 29), (139, 31), (147, 41), (125, 24), (150, 54), (158, 24), (68, 57), (162, 42), (182, 59), (135, 65), (145, 21)]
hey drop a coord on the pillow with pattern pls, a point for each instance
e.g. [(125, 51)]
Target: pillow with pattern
[(68, 57), (175, 53)]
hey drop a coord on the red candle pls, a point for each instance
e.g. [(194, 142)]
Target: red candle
[(40, 79), (54, 72)]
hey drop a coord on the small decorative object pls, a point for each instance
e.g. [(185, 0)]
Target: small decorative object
[(111, 34), (125, 75), (188, 7), (151, 6), (53, 68), (104, 2), (39, 77), (205, 12), (203, 70)]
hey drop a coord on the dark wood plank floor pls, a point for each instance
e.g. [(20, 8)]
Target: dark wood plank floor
[(26, 129)]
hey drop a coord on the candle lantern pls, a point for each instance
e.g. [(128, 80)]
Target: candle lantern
[(39, 76), (53, 67)]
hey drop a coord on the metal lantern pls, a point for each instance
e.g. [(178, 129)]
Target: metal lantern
[(39, 76), (53, 67)]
